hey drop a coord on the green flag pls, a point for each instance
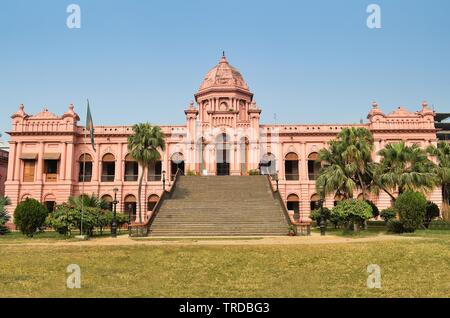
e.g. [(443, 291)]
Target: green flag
[(90, 125)]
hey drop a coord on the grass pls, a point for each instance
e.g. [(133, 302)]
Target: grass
[(45, 237), (410, 268)]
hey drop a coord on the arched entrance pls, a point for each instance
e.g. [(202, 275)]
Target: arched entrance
[(108, 200), (314, 202), (268, 165), (130, 206), (176, 163), (293, 204), (222, 155)]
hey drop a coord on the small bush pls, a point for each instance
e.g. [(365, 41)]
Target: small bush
[(4, 216), (352, 212), (315, 215), (254, 172), (388, 214), (30, 216), (411, 207), (439, 225), (431, 212), (192, 173), (395, 226)]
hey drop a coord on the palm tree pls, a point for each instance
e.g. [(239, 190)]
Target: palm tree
[(442, 154), (143, 146), (403, 168), (87, 201), (345, 163)]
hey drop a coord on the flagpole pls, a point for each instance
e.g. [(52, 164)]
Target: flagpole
[(84, 177)]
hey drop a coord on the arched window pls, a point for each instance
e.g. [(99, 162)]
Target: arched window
[(108, 201), (108, 168), (360, 197), (152, 200), (268, 164), (131, 169), (155, 171), (338, 198), (293, 204), (291, 166), (313, 166), (130, 206), (85, 163), (314, 202), (50, 202), (176, 163)]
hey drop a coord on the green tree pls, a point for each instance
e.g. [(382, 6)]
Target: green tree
[(4, 216), (352, 212), (403, 168), (442, 169), (143, 146), (411, 207), (29, 216), (345, 163)]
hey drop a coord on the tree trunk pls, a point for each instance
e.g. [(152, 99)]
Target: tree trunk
[(363, 187), (141, 178)]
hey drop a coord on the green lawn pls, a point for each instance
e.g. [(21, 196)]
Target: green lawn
[(411, 268)]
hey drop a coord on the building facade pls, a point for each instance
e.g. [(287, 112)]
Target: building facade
[(50, 159)]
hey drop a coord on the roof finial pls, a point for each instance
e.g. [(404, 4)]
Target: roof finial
[(223, 53)]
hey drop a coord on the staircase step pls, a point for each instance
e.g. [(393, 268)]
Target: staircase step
[(220, 206)]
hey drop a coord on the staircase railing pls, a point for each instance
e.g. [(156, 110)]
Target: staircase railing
[(276, 194), (143, 229)]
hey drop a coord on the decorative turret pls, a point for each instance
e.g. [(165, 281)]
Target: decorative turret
[(70, 114)]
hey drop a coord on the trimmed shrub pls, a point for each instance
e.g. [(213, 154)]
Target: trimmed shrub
[(395, 226), (431, 212), (254, 172), (4, 216), (30, 216), (388, 214), (352, 212), (65, 219), (411, 207)]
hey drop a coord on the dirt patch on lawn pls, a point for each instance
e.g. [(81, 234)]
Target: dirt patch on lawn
[(124, 240)]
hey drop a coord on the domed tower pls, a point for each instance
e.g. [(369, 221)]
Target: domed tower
[(227, 122), (224, 93)]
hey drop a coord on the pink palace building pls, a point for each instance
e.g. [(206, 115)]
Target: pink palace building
[(222, 136)]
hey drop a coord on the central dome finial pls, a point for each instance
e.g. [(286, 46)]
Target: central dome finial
[(223, 59)]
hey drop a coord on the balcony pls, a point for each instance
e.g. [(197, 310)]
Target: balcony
[(291, 177), (108, 178), (86, 178), (154, 177), (131, 178), (51, 177)]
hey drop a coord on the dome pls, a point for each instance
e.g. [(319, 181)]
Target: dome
[(223, 75)]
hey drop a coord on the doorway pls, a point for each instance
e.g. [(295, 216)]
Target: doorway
[(222, 155)]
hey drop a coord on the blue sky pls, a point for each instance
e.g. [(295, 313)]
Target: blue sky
[(306, 61)]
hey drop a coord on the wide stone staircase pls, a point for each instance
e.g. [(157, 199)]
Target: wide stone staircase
[(220, 206)]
